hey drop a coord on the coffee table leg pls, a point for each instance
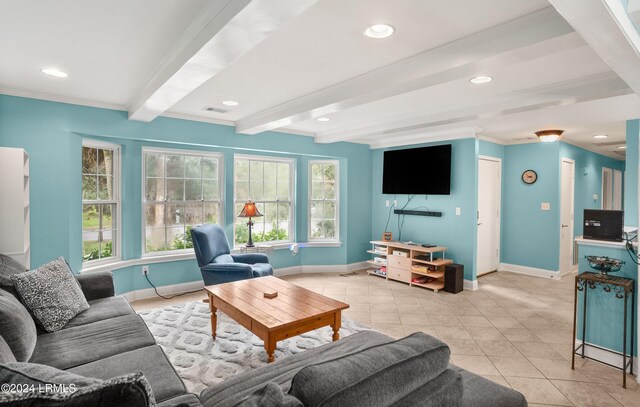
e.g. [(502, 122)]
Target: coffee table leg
[(270, 347), (337, 321), (214, 318)]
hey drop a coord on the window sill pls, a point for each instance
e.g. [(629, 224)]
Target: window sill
[(321, 243)]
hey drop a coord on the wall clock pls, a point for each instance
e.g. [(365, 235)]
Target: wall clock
[(529, 176)]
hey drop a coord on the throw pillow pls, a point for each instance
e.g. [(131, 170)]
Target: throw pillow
[(51, 293), (17, 327), (32, 385), (271, 395), (380, 375)]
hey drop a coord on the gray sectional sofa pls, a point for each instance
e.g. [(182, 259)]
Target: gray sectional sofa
[(110, 340)]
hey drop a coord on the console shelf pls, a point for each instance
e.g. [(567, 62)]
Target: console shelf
[(402, 264)]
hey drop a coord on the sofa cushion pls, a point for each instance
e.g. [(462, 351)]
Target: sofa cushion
[(444, 390), (37, 374), (51, 293), (6, 355), (237, 388), (271, 395), (85, 343), (102, 309), (379, 375), (9, 267), (17, 327), (480, 392), (261, 269), (151, 361), (184, 400), (131, 390)]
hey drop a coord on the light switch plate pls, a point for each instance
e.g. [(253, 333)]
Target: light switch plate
[(387, 203), (545, 206), (595, 197), (458, 211)]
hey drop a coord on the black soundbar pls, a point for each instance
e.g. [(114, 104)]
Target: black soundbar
[(417, 213)]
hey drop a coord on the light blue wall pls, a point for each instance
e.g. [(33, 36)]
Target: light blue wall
[(604, 311), (52, 134), (530, 236), (457, 233), (588, 179), (631, 174)]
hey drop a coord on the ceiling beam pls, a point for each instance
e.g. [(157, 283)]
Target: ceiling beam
[(607, 28), (587, 89), (427, 137), (463, 57), (223, 32)]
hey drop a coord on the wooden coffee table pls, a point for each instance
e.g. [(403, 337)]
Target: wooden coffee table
[(294, 311)]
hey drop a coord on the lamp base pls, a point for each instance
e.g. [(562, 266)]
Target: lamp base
[(250, 245)]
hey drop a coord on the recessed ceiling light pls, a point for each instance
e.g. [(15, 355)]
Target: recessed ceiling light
[(379, 31), (476, 80), (54, 72), (622, 147), (230, 103), (323, 119), (600, 136)]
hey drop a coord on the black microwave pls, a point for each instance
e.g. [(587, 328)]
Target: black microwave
[(603, 225)]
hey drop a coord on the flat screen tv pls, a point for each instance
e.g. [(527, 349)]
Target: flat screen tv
[(419, 171)]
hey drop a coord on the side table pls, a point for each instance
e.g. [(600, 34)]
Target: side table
[(621, 287)]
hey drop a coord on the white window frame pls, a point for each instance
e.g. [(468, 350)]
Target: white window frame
[(292, 194), (117, 201), (336, 199), (174, 151)]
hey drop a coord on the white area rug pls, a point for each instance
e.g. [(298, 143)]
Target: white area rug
[(184, 332)]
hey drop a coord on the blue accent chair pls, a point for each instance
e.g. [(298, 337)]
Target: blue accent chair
[(216, 262)]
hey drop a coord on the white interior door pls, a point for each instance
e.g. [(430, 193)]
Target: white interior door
[(617, 190), (566, 215), (607, 188), (489, 199)]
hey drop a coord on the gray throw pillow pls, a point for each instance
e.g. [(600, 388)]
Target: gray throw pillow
[(271, 395), (51, 293), (6, 354), (377, 376), (32, 385), (17, 327)]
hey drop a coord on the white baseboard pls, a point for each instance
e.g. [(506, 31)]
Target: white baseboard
[(470, 285), (606, 357), (530, 271), (334, 268), (287, 271), (164, 290)]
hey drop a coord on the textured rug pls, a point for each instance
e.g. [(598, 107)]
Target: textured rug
[(184, 332)]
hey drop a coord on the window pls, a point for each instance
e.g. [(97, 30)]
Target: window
[(100, 200), (181, 190), (323, 200), (269, 183)]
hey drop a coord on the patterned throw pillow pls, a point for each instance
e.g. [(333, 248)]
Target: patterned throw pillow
[(51, 293)]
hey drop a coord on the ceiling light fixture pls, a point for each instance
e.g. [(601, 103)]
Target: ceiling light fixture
[(600, 136), (549, 136), (230, 103), (477, 80), (378, 31), (323, 119), (622, 147), (54, 72)]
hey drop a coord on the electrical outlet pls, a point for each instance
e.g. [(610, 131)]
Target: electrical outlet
[(545, 206), (458, 211), (145, 270), (395, 202), (387, 203)]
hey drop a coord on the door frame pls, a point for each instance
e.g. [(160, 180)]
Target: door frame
[(499, 234), (610, 170), (572, 222)]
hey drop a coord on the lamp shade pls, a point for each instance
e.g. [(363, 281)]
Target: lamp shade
[(250, 210)]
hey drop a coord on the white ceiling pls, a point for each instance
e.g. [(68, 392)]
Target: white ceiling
[(314, 61)]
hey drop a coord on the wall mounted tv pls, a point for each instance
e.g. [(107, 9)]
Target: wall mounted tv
[(421, 171)]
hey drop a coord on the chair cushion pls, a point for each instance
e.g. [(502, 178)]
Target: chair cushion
[(151, 361), (82, 344), (223, 259), (6, 355), (379, 375), (209, 242), (261, 269), (102, 309), (17, 327), (51, 293)]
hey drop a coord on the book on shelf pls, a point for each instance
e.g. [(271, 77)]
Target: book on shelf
[(380, 260), (422, 280)]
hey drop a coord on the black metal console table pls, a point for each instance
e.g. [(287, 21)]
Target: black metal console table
[(621, 287)]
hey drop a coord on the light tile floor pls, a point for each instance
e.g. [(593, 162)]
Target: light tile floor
[(515, 330)]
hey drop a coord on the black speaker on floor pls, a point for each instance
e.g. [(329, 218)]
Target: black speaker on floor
[(453, 278)]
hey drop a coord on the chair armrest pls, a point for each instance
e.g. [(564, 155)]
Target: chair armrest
[(216, 273), (227, 267), (250, 258), (96, 285)]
